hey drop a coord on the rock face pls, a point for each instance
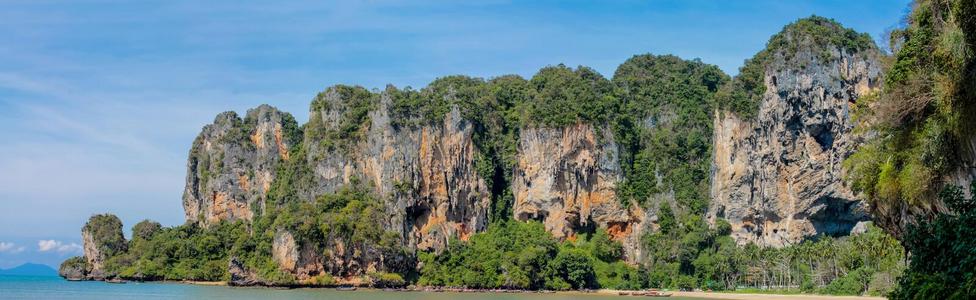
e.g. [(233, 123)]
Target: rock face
[(567, 179), (101, 238), (778, 178), (233, 162), (240, 275), (75, 268), (303, 261), (425, 173)]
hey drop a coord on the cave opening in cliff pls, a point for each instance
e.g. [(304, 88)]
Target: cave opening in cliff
[(836, 217), (588, 227), (501, 194), (822, 134)]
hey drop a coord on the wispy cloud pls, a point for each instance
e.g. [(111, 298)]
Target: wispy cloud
[(58, 246), (12, 248)]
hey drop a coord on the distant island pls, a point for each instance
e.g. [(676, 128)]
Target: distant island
[(825, 166), (29, 269)]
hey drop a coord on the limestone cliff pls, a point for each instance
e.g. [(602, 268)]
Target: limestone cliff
[(567, 179), (101, 239), (777, 178), (425, 173), (233, 162)]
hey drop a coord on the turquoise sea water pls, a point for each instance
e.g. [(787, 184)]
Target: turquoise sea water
[(22, 287)]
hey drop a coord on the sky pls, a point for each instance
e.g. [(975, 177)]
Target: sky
[(100, 100)]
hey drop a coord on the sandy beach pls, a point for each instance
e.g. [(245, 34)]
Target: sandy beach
[(714, 295), (209, 283), (705, 295), (734, 296)]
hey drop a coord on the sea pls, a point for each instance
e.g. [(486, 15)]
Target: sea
[(32, 287)]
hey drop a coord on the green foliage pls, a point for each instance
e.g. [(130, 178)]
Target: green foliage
[(688, 248), (106, 233), (185, 252), (565, 96), (352, 105), (573, 266), (521, 255), (75, 263), (854, 283), (292, 177), (324, 280), (664, 126), (145, 229), (387, 280), (510, 254), (923, 117), (352, 216), (691, 255), (942, 255)]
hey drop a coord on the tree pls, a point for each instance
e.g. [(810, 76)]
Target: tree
[(942, 256), (573, 266)]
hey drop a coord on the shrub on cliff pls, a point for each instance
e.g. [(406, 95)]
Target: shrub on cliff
[(664, 127), (922, 122), (943, 260), (352, 104), (566, 96), (145, 230), (106, 233)]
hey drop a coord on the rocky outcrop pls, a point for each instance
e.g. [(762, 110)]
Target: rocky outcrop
[(240, 275), (304, 261), (101, 239), (778, 178), (93, 255), (425, 173), (75, 268), (233, 162), (567, 179)]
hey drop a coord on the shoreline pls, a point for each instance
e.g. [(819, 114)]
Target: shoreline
[(744, 296), (206, 283), (601, 292)]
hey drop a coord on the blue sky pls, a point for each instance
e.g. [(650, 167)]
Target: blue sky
[(100, 100)]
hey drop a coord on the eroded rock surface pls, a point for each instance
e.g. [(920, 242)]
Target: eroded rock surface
[(74, 269), (779, 178), (425, 173), (567, 179), (101, 238), (233, 162), (304, 261)]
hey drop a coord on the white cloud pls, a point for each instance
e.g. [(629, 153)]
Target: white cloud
[(47, 245), (54, 245), (11, 248)]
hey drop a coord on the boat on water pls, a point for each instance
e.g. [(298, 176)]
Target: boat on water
[(650, 293), (115, 281), (656, 294), (346, 288)]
